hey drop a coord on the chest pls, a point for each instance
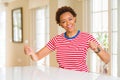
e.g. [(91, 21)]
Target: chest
[(72, 45)]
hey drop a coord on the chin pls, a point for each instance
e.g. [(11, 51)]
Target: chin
[(70, 30)]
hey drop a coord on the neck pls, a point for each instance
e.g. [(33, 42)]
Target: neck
[(72, 33)]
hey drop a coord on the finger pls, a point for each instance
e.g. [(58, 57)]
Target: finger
[(27, 50), (92, 45)]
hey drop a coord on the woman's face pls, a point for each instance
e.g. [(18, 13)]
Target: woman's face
[(67, 21)]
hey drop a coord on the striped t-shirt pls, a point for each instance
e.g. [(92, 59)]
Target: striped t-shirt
[(71, 52)]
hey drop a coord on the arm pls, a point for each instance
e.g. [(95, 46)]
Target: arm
[(100, 52), (38, 55)]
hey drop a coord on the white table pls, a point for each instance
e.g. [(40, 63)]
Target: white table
[(48, 73)]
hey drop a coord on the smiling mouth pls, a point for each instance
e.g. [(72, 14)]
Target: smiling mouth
[(69, 26)]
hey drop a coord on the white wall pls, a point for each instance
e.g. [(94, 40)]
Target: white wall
[(118, 57), (15, 51)]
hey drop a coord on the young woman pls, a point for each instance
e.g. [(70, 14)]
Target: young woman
[(71, 47)]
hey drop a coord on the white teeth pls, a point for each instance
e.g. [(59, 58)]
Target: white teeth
[(69, 26)]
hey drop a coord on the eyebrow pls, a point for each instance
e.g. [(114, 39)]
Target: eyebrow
[(64, 19)]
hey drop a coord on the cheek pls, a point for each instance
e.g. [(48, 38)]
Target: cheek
[(63, 25)]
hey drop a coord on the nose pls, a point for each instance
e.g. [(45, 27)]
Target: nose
[(68, 22)]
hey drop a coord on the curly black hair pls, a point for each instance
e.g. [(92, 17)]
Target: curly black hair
[(62, 10)]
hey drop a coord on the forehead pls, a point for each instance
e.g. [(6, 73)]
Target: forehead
[(65, 15)]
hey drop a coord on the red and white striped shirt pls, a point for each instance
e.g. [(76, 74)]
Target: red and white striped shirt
[(71, 52)]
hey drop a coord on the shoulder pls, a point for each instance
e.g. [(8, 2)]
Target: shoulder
[(85, 34), (57, 37)]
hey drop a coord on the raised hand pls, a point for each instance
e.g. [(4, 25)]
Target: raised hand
[(28, 50), (93, 45)]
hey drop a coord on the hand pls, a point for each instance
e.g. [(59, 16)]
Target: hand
[(93, 45), (28, 50)]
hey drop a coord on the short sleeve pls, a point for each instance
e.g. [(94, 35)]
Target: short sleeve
[(91, 38), (51, 44)]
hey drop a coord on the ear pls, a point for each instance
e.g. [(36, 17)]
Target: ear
[(75, 19)]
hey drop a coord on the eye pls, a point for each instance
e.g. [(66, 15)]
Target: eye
[(70, 19), (62, 22)]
